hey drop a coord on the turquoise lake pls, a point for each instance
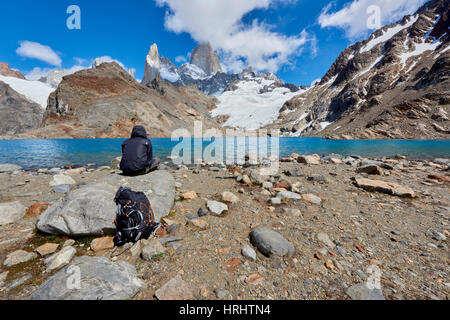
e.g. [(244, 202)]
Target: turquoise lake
[(34, 154)]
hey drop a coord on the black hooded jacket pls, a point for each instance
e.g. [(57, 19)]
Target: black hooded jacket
[(137, 151)]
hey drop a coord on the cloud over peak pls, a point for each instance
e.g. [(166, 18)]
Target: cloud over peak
[(221, 23), (34, 50), (353, 17)]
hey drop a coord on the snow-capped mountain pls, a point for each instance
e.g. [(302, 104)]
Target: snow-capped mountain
[(35, 91), (395, 84), (253, 101)]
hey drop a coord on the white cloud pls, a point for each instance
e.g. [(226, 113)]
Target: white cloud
[(180, 59), (34, 50), (105, 59), (353, 16), (220, 22)]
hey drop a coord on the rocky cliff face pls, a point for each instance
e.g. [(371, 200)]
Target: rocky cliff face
[(6, 71), (107, 102), (152, 65), (18, 114), (395, 84), (206, 59)]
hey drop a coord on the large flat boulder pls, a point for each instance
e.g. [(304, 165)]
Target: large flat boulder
[(270, 242), (158, 186), (11, 212), (88, 211), (9, 168), (385, 187), (100, 279)]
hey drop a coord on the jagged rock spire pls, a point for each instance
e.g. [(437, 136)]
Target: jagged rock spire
[(206, 59), (152, 65)]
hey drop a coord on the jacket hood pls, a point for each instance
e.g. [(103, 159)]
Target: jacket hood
[(139, 131)]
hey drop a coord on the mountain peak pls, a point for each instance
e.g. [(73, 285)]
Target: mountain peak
[(206, 59), (152, 65), (6, 71)]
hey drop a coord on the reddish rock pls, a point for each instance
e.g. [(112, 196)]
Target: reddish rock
[(232, 264), (6, 71), (99, 244), (175, 289), (439, 178), (36, 209)]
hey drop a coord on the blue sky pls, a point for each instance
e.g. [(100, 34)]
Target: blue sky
[(298, 39)]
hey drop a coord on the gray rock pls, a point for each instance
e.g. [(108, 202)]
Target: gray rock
[(255, 176), (325, 239), (19, 256), (289, 195), (317, 178), (363, 292), (62, 188), (442, 161), (216, 207), (152, 248), (294, 173), (23, 278), (11, 212), (270, 242), (202, 212), (438, 236), (249, 253), (365, 163), (90, 210), (221, 294), (60, 259), (8, 168), (60, 179), (275, 201), (292, 212), (101, 279), (3, 277)]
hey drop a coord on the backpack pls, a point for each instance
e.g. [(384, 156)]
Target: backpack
[(134, 218)]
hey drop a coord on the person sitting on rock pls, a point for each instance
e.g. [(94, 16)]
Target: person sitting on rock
[(137, 154)]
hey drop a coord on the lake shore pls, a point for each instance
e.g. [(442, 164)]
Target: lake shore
[(341, 224)]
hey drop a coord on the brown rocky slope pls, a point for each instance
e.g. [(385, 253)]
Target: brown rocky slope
[(106, 102), (393, 85)]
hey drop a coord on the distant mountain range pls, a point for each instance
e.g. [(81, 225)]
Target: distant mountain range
[(394, 85)]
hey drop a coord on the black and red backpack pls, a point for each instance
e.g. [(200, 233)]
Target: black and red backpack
[(134, 218)]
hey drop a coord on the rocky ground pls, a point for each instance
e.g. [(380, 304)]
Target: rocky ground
[(319, 229)]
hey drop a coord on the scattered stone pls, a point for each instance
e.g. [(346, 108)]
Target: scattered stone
[(438, 236), (60, 259), (216, 207), (439, 178), (313, 159), (289, 195), (3, 276), (62, 188), (275, 201), (294, 173), (47, 249), (246, 180), (61, 179), (74, 172), (152, 248), (270, 242), (390, 188), (11, 212), (335, 161), (202, 212), (292, 212), (363, 292), (101, 279), (249, 253), (311, 198), (317, 178), (189, 195), (221, 294), (229, 197), (68, 243), (19, 256), (175, 289), (105, 243), (232, 264), (325, 239), (37, 208), (199, 223), (8, 168), (371, 169)]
